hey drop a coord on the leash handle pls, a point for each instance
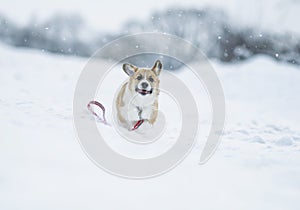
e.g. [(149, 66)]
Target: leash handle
[(98, 104)]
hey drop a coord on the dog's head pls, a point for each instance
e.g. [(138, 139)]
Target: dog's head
[(143, 81)]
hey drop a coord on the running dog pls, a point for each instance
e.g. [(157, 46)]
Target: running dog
[(138, 98)]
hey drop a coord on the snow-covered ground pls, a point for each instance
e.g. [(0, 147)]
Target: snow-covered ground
[(43, 166)]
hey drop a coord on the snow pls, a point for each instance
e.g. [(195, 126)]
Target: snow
[(43, 166)]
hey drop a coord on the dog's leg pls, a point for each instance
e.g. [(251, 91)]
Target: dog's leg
[(150, 113), (133, 114), (146, 113)]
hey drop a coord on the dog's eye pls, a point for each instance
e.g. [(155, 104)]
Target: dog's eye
[(151, 79), (139, 77)]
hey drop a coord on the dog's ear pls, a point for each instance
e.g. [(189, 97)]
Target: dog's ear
[(129, 69), (157, 67)]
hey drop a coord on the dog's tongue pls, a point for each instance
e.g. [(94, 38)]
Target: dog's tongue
[(144, 92)]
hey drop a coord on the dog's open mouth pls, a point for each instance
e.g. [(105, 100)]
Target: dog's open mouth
[(143, 91)]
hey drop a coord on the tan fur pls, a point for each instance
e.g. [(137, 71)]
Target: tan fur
[(120, 102), (154, 113)]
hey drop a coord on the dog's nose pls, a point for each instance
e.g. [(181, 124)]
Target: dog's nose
[(144, 85)]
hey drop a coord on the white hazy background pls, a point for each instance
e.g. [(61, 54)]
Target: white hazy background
[(278, 15)]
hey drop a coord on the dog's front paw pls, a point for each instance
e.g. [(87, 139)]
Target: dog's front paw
[(146, 114), (133, 115), (144, 128)]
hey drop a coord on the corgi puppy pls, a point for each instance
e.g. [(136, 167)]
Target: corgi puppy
[(138, 97)]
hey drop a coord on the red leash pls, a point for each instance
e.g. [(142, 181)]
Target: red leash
[(103, 120), (137, 125)]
